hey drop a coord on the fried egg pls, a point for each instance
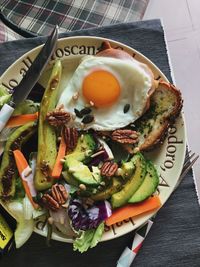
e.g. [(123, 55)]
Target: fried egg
[(107, 84)]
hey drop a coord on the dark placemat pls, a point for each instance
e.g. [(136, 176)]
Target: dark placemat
[(175, 237)]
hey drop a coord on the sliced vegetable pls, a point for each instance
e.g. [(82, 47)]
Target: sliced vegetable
[(24, 227), (26, 176), (149, 185), (108, 191), (61, 153), (47, 140), (26, 107), (107, 148), (88, 239), (28, 208), (5, 133), (84, 219), (19, 120), (98, 157), (4, 96), (132, 210), (8, 170), (132, 184), (62, 222)]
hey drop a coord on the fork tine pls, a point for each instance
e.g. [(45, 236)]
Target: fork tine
[(188, 166), (188, 161), (188, 156)]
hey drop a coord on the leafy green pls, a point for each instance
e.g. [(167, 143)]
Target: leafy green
[(88, 239), (19, 189), (26, 107), (24, 227), (4, 96)]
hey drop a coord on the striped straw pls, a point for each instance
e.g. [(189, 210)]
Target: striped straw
[(129, 253)]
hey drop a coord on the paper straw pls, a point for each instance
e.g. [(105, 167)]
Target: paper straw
[(129, 253)]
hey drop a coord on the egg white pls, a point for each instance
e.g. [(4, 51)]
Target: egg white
[(135, 83)]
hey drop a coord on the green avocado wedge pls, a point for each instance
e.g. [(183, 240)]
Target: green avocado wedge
[(81, 172), (149, 185), (114, 187), (133, 183), (75, 170)]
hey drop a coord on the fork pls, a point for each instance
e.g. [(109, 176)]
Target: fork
[(129, 254)]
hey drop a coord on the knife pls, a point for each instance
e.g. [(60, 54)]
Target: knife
[(31, 77)]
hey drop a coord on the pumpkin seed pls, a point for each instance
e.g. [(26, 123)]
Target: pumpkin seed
[(126, 108), (85, 111), (88, 119), (78, 113)]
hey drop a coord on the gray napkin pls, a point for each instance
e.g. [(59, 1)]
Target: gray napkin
[(174, 239)]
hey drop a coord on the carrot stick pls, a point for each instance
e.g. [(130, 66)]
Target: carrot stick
[(131, 210), (19, 120), (57, 169), (26, 176)]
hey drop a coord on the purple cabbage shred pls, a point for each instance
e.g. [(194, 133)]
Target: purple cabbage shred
[(84, 219)]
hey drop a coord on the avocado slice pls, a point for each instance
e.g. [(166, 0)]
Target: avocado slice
[(130, 187), (128, 169), (149, 185), (86, 142), (81, 172), (70, 179), (77, 171), (26, 107), (114, 187)]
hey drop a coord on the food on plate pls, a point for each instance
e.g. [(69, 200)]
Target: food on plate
[(8, 171), (107, 85), (87, 169), (165, 106), (47, 147), (128, 211), (148, 186)]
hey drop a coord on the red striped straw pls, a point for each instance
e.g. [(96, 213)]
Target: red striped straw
[(129, 253)]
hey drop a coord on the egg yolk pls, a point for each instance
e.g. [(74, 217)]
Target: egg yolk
[(101, 87)]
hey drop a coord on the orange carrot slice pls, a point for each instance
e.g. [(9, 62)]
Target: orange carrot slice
[(131, 210), (19, 120), (57, 169), (26, 176)]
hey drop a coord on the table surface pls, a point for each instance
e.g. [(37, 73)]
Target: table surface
[(182, 26)]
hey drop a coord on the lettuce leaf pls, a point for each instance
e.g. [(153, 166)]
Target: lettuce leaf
[(24, 227), (88, 239), (26, 107), (4, 96)]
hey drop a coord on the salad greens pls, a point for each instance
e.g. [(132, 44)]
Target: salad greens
[(88, 239), (4, 96)]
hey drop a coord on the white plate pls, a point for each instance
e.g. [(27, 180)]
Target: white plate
[(168, 158)]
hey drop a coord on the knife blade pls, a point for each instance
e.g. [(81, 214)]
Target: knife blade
[(33, 74)]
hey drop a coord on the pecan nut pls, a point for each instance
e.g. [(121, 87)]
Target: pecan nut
[(109, 168), (59, 193), (50, 203), (125, 136), (58, 117), (55, 198), (71, 137)]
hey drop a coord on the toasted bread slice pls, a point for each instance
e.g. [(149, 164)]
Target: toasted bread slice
[(165, 105)]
